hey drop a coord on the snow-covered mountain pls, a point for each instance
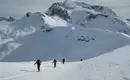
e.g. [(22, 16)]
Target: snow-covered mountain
[(81, 14), (8, 19), (73, 30)]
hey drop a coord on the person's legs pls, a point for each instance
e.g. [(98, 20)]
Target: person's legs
[(54, 65), (38, 67)]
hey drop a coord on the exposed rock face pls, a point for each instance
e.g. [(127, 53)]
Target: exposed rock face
[(62, 9), (58, 9), (10, 19)]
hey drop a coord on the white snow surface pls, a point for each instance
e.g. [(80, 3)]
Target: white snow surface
[(113, 65)]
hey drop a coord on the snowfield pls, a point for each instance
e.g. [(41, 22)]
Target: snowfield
[(114, 65)]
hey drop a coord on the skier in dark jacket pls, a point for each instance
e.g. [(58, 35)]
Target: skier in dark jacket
[(38, 62), (54, 62), (81, 59), (63, 60)]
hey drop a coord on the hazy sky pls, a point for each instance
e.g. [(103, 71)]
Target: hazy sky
[(20, 7)]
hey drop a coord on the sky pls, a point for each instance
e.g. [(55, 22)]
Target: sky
[(20, 7)]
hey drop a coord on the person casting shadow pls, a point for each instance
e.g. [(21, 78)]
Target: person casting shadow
[(38, 62), (54, 62)]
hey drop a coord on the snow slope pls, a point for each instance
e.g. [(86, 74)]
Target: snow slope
[(73, 45), (114, 65)]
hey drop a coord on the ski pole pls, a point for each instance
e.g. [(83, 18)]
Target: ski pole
[(34, 68)]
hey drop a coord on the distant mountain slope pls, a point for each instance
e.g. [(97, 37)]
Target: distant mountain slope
[(84, 15), (71, 44)]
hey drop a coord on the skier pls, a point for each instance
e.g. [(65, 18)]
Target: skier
[(54, 62), (38, 62), (63, 60), (81, 59)]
